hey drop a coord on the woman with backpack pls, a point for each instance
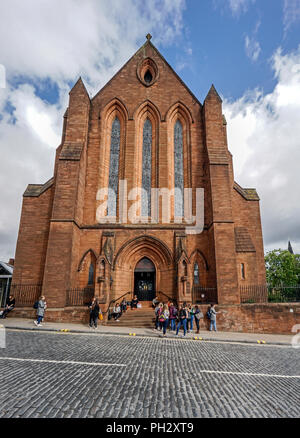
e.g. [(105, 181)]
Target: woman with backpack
[(213, 317), (173, 316), (41, 307), (164, 318), (182, 320)]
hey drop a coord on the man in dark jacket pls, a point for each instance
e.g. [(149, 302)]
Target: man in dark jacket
[(10, 304)]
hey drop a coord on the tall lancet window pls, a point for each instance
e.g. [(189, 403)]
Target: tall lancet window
[(178, 170), (146, 169), (113, 179)]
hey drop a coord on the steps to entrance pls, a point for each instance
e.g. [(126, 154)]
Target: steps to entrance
[(140, 317)]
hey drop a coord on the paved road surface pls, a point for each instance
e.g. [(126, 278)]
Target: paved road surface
[(78, 375)]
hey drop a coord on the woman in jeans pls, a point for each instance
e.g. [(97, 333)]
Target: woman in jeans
[(198, 315), (182, 320), (164, 318), (173, 316), (94, 312), (40, 311)]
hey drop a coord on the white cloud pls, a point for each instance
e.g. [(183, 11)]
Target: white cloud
[(264, 137), (240, 6), (58, 41), (62, 39), (291, 13), (252, 48)]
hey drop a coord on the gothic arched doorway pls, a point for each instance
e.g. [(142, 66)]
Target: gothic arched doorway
[(144, 280)]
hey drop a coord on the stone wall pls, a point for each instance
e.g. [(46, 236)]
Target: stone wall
[(274, 318)]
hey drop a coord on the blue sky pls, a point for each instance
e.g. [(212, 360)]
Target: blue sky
[(249, 49)]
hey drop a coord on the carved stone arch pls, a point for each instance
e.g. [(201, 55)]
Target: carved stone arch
[(179, 108), (94, 255), (156, 246), (200, 255), (147, 110), (111, 105), (147, 105)]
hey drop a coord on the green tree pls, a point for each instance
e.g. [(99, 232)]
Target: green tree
[(282, 268)]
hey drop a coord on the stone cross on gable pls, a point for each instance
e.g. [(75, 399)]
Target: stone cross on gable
[(148, 36)]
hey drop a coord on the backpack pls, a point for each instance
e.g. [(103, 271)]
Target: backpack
[(208, 314), (36, 305)]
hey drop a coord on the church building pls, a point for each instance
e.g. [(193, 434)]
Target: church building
[(139, 167)]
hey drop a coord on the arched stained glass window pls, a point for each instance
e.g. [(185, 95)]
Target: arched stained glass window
[(178, 170), (91, 274), (196, 273), (146, 168), (113, 179)]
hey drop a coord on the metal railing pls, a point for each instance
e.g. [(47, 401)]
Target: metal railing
[(26, 294), (254, 293), (204, 295), (269, 294), (172, 299), (116, 300), (79, 296)]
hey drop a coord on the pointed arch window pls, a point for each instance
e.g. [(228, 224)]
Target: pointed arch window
[(91, 274), (178, 170), (196, 273), (146, 169), (113, 179)]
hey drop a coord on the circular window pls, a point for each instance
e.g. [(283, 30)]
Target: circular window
[(147, 72)]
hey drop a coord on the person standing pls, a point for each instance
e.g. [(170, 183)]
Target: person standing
[(10, 305), (155, 302), (173, 316), (164, 318), (158, 311), (198, 316), (94, 313), (182, 320), (42, 306), (213, 318), (188, 317)]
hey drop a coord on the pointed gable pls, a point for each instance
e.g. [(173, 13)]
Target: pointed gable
[(146, 72)]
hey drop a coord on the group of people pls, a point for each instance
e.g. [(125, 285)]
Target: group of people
[(116, 313), (166, 315), (169, 316)]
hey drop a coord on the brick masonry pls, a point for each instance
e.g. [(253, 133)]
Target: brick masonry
[(59, 236)]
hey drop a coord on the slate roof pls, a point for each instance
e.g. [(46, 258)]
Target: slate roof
[(34, 190), (249, 194), (8, 268)]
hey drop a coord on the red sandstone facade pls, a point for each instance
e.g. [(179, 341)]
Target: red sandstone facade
[(59, 236)]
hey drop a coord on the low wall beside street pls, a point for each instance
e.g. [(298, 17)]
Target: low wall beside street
[(276, 318)]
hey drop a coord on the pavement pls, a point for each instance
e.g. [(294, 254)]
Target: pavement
[(27, 324)]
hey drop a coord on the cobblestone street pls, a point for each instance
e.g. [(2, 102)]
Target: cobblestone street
[(72, 375)]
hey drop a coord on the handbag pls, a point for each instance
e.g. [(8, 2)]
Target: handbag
[(199, 315), (100, 316)]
